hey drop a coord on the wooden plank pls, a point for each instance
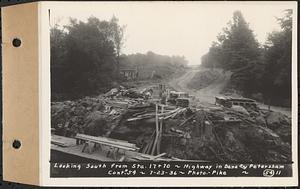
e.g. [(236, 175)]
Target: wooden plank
[(159, 155), (122, 159), (145, 150), (150, 157), (151, 144), (105, 139), (125, 146), (185, 121), (76, 150), (114, 145), (59, 143)]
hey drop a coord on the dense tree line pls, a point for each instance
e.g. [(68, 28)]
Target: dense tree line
[(85, 56), (152, 64), (259, 71)]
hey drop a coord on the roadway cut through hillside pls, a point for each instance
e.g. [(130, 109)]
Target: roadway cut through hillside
[(213, 87), (215, 80)]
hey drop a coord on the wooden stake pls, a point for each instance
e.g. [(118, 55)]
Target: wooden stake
[(160, 132), (157, 131), (148, 146)]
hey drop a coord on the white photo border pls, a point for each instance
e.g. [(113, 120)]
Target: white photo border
[(45, 125)]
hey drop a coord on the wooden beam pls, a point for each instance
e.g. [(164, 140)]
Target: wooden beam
[(109, 142), (156, 124), (160, 132)]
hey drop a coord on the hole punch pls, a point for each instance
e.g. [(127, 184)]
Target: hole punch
[(16, 144), (16, 42)]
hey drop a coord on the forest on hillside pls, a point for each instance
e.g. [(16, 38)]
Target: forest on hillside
[(259, 71), (86, 58), (152, 64)]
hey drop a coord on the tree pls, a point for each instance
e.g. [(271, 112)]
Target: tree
[(213, 59), (240, 46), (237, 50), (255, 69), (86, 54), (278, 59), (58, 52), (118, 38)]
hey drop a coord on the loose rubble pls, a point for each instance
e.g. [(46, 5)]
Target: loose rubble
[(212, 133)]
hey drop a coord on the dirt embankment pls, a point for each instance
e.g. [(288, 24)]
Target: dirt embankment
[(203, 83), (203, 79)]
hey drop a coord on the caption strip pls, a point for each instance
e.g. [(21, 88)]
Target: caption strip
[(169, 169)]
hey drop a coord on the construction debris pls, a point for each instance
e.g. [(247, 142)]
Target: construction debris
[(175, 131)]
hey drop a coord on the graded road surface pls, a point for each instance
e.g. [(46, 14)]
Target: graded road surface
[(205, 95)]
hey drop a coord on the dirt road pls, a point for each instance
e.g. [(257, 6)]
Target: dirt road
[(207, 94)]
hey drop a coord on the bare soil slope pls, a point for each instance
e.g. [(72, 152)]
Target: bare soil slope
[(205, 95)]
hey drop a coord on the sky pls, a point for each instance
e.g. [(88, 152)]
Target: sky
[(174, 28)]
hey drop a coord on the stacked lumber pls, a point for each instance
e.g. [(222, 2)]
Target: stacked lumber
[(161, 116)]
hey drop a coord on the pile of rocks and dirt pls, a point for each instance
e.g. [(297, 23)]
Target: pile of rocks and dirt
[(203, 133), (94, 115)]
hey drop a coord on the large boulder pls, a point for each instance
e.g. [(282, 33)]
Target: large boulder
[(280, 124), (277, 119)]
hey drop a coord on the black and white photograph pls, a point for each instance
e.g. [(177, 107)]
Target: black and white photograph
[(173, 89)]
